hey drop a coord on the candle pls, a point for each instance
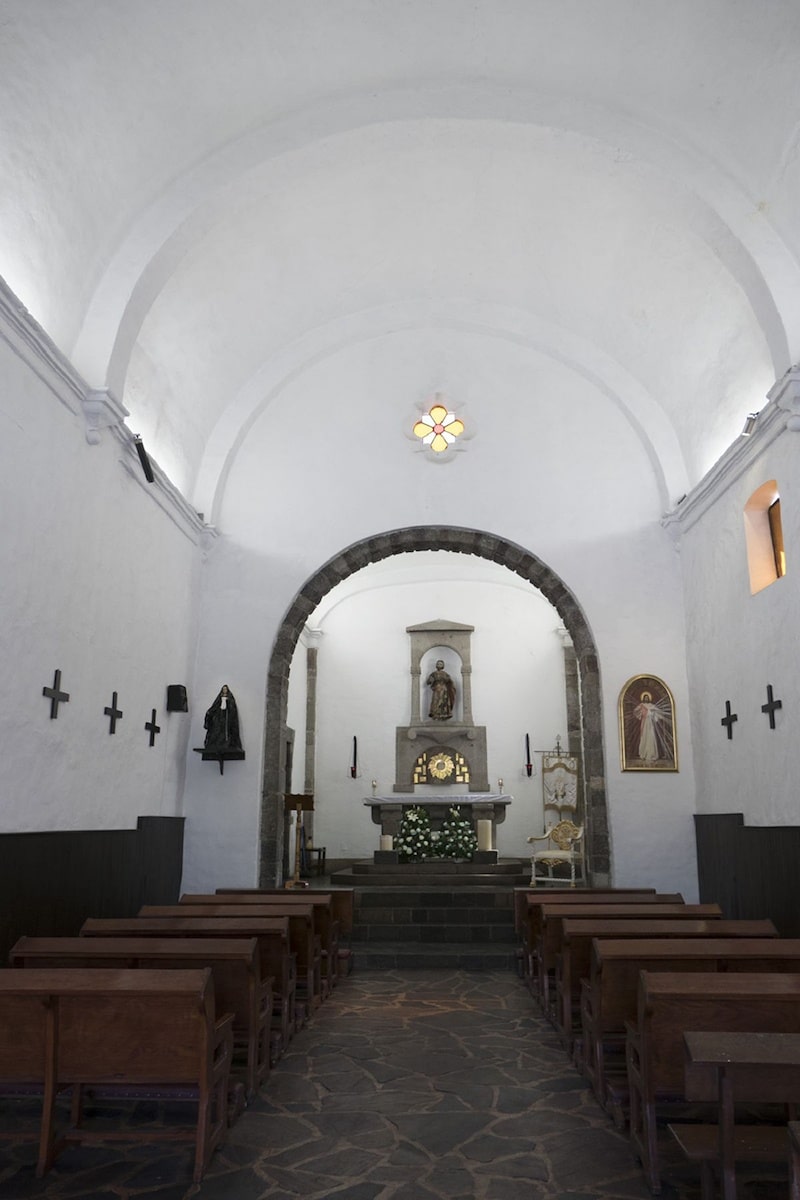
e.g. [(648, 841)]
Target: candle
[(354, 767), (484, 835), (387, 841)]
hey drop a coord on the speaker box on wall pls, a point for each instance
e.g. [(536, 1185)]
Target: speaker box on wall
[(177, 700)]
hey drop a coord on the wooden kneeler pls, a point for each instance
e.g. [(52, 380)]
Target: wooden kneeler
[(297, 802)]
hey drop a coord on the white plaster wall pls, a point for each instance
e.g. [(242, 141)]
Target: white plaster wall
[(555, 468), (95, 580), (738, 643)]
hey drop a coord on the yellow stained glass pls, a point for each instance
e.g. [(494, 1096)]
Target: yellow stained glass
[(438, 413), (438, 444), (421, 429), (455, 426)]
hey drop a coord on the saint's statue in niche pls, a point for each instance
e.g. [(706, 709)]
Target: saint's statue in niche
[(222, 723), (443, 693)]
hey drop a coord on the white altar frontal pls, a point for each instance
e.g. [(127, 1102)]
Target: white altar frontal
[(387, 811)]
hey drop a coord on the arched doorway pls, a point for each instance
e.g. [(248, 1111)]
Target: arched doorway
[(457, 541)]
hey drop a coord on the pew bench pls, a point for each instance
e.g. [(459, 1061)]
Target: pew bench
[(610, 996), (552, 917), (530, 914), (239, 986), (305, 943), (342, 906), (326, 924), (670, 1005), (275, 956), (574, 962), (727, 1069), (100, 1030)]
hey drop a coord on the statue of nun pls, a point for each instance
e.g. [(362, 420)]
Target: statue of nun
[(222, 723)]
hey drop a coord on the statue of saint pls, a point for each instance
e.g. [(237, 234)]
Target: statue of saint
[(443, 693), (222, 723)]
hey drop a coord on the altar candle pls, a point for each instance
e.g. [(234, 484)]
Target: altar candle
[(387, 841), (484, 835)]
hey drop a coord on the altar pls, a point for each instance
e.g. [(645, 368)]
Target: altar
[(387, 811)]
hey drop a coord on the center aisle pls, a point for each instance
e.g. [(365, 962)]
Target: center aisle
[(424, 1085)]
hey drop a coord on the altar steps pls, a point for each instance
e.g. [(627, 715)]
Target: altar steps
[(508, 872), (467, 927)]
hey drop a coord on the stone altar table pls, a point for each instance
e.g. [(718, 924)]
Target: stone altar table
[(387, 811)]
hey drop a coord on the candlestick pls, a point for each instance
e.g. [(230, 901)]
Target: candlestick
[(354, 767), (374, 786), (528, 763), (499, 788)]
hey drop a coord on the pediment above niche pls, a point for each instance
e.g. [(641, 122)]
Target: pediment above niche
[(440, 626)]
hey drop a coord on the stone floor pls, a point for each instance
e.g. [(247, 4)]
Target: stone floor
[(420, 1085)]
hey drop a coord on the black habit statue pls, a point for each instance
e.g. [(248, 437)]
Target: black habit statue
[(222, 723)]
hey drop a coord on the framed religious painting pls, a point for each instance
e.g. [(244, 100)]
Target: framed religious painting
[(647, 740)]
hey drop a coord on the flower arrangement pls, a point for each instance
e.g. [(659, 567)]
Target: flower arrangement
[(415, 839), (458, 835)]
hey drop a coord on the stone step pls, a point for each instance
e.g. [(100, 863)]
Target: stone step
[(431, 932), (419, 956), (508, 873)]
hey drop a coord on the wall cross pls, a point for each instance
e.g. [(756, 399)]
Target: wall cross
[(154, 729), (55, 695), (770, 707), (114, 713), (729, 719)]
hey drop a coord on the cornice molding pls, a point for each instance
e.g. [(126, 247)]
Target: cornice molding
[(740, 455), (29, 341), (98, 406)]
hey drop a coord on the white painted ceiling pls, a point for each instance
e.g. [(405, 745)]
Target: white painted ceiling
[(198, 198)]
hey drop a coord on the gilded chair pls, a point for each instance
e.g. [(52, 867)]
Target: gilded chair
[(562, 846)]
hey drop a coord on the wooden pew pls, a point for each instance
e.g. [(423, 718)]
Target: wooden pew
[(574, 962), (342, 904), (326, 927), (304, 941), (552, 917), (531, 926), (727, 1069), (521, 896), (670, 1005), (610, 996), (274, 953), (794, 1160), (238, 985), (103, 1030)]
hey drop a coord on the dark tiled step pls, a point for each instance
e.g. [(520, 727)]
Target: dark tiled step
[(440, 934), (416, 956)]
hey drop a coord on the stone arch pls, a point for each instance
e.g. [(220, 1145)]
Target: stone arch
[(458, 541)]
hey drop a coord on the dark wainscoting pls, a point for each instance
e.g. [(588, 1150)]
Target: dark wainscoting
[(750, 870), (51, 882)]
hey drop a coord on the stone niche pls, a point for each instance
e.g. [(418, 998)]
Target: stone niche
[(426, 748)]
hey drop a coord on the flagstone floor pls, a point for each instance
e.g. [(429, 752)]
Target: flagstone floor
[(423, 1085)]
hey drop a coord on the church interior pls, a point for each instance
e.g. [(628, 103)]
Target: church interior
[(342, 338)]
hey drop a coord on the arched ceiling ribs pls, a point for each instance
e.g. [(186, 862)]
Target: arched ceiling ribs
[(646, 417), (713, 202)]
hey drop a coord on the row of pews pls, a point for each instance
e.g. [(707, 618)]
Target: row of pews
[(193, 1001), (664, 1006)]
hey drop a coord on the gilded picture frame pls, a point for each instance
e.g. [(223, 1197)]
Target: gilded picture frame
[(647, 735)]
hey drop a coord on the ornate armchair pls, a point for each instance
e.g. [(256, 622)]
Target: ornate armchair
[(562, 845)]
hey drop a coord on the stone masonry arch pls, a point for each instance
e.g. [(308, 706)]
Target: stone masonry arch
[(457, 541)]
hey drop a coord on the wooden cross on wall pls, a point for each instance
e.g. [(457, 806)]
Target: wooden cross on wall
[(729, 719), (770, 707), (114, 713), (55, 695), (154, 729)]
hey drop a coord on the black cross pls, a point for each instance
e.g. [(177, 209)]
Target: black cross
[(55, 695), (154, 729), (729, 718), (113, 712), (770, 706)]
